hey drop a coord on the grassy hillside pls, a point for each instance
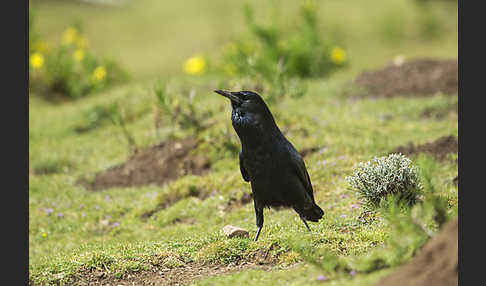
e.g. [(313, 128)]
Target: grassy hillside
[(77, 234)]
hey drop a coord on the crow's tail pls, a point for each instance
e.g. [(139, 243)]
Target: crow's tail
[(313, 214)]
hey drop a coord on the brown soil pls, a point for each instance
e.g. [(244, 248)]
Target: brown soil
[(419, 77), (165, 276), (157, 165), (435, 265), (439, 148)]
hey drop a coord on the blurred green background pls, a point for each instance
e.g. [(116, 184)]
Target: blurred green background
[(152, 38)]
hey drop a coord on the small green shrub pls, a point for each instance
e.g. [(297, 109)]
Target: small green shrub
[(273, 53), (68, 69), (181, 110), (119, 118), (95, 117), (381, 177), (74, 73)]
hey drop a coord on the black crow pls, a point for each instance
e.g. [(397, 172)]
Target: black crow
[(275, 170)]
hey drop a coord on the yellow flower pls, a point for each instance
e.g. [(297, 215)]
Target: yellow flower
[(69, 35), (195, 65), (81, 42), (37, 60), (99, 74), (78, 55), (338, 56), (44, 234)]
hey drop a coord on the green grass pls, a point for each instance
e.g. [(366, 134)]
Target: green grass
[(348, 130), (297, 275)]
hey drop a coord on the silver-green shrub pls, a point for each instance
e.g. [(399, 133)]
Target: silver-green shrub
[(381, 177)]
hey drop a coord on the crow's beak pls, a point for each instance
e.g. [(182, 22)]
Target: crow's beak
[(234, 98)]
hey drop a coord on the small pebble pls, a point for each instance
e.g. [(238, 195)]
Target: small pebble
[(231, 231)]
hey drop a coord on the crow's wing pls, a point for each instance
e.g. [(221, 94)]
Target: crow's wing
[(244, 173), (301, 172)]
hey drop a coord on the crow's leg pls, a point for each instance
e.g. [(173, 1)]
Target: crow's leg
[(258, 233), (305, 222), (259, 218)]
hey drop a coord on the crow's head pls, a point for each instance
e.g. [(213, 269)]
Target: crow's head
[(249, 109)]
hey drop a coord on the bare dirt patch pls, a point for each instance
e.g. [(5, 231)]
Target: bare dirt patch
[(435, 265), (157, 165), (439, 148), (166, 276), (419, 77)]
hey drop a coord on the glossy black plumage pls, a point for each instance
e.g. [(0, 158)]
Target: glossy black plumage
[(271, 164)]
